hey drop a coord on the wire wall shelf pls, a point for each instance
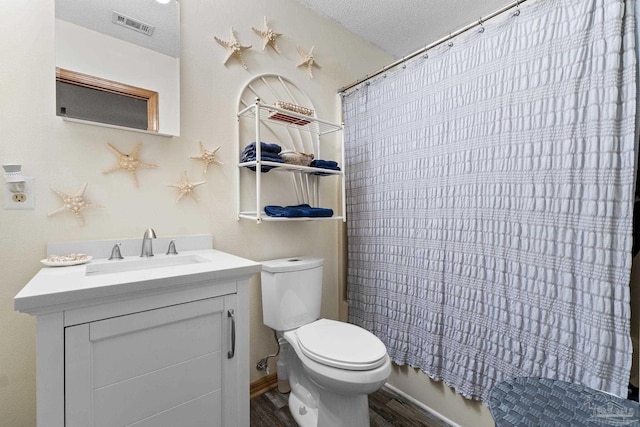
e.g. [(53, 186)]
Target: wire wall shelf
[(286, 167), (273, 110), (264, 217), (282, 117)]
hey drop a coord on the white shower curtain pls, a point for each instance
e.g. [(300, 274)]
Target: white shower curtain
[(490, 194)]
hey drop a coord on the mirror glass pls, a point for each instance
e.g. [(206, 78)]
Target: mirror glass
[(118, 63)]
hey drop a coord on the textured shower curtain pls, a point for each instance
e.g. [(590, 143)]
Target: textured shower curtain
[(490, 194)]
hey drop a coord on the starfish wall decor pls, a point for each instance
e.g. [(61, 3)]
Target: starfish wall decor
[(74, 203), (186, 187), (268, 36), (207, 156), (234, 48), (307, 60), (129, 162)]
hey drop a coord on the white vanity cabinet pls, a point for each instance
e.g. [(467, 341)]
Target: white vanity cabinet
[(170, 349)]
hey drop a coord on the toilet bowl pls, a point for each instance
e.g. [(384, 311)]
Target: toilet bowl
[(331, 366), (323, 394)]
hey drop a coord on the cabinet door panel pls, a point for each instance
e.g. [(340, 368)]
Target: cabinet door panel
[(203, 411), (123, 403), (167, 337), (153, 318)]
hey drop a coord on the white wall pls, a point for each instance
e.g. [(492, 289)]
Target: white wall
[(89, 52), (65, 155)]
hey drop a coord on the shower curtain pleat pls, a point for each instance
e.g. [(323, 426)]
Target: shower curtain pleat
[(489, 197)]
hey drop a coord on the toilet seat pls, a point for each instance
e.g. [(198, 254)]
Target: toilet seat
[(341, 345)]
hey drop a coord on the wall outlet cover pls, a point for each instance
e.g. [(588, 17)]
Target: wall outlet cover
[(24, 200)]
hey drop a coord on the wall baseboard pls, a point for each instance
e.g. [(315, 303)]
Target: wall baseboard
[(263, 385), (421, 405)]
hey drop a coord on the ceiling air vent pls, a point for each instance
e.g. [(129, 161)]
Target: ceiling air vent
[(134, 24)]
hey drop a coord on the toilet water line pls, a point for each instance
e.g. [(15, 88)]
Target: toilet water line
[(263, 364)]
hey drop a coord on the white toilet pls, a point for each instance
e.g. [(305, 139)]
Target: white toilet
[(331, 366)]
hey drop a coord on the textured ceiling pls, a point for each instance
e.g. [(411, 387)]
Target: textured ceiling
[(400, 27)]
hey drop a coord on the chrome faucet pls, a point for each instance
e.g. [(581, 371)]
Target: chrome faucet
[(147, 248)]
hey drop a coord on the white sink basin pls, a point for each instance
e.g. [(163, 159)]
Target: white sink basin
[(135, 264)]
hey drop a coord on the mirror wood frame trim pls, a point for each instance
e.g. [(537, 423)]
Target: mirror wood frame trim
[(98, 83)]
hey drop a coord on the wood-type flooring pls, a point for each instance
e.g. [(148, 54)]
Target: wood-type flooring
[(386, 409)]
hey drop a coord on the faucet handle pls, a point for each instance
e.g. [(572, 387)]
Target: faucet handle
[(172, 248), (115, 252)]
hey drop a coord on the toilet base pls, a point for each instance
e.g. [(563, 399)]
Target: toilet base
[(334, 411), (304, 415)]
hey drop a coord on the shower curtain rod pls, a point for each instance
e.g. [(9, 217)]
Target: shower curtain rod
[(480, 21)]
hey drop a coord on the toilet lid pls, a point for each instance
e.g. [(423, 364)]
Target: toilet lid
[(341, 345)]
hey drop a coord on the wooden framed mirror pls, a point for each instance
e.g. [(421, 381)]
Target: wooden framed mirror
[(90, 98)]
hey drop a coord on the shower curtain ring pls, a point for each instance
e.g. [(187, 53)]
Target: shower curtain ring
[(481, 30), (517, 12), (450, 44)]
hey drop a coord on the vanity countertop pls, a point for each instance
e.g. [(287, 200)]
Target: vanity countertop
[(53, 288)]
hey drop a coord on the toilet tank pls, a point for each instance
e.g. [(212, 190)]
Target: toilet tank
[(291, 292)]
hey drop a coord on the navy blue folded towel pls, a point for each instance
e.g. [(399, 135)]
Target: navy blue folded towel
[(297, 211), (264, 147), (264, 168), (269, 152), (250, 156), (324, 164)]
